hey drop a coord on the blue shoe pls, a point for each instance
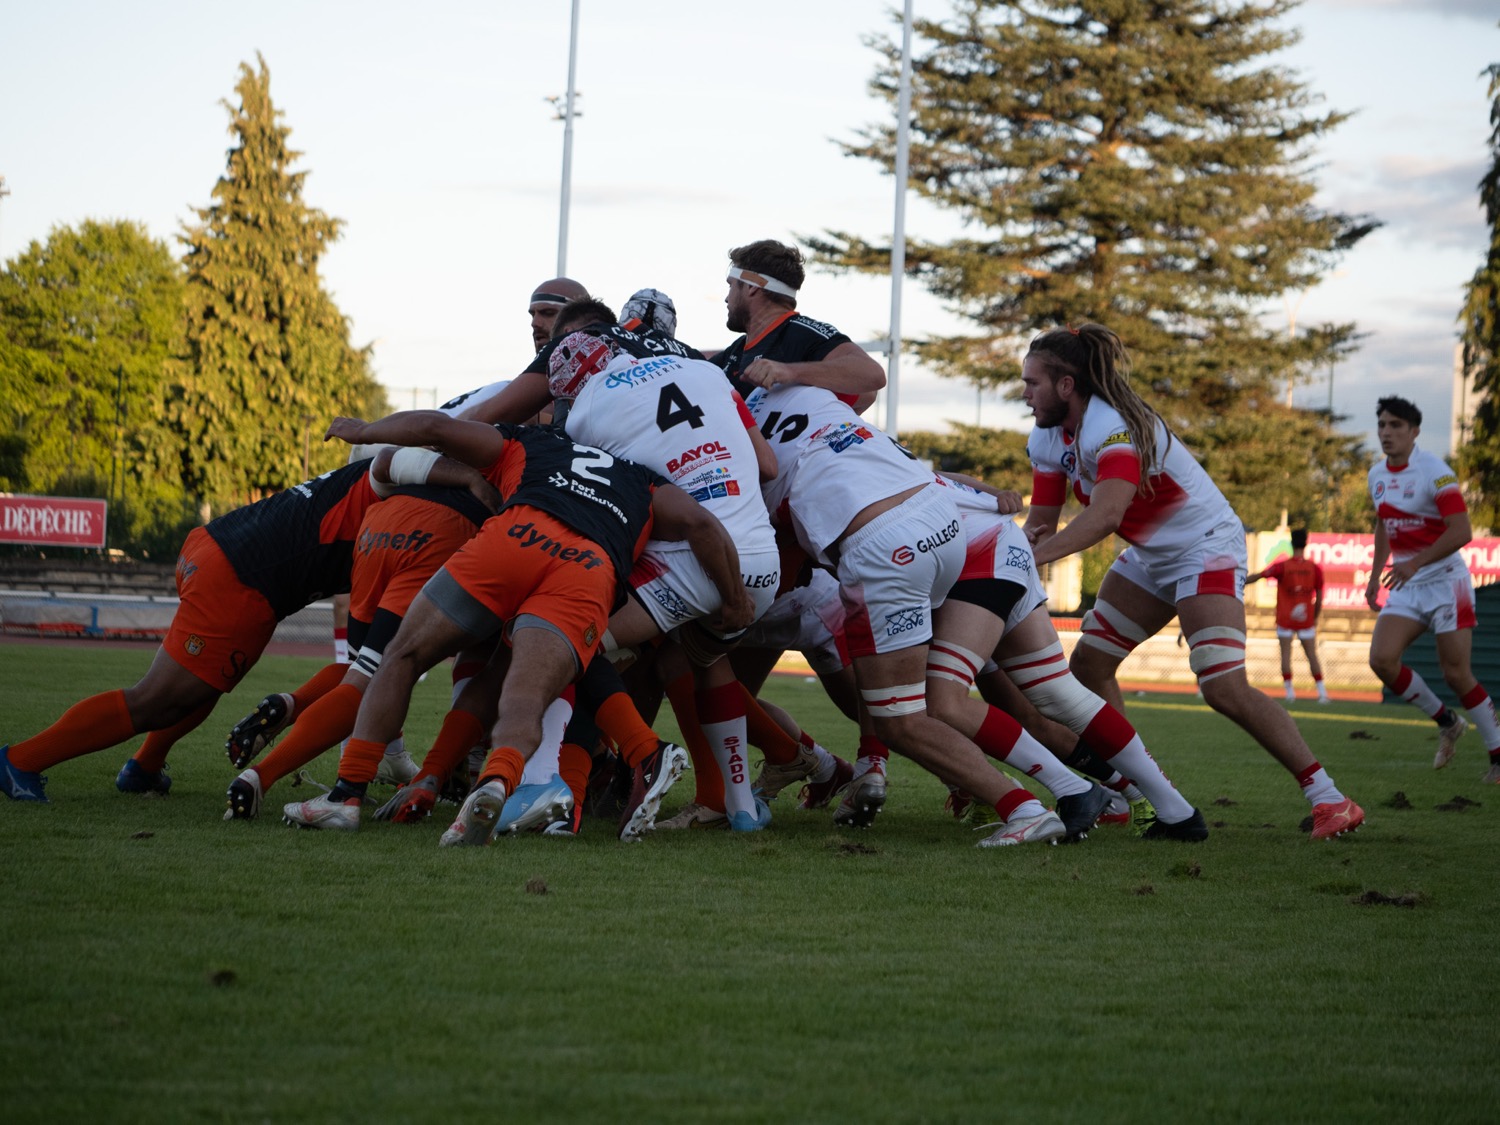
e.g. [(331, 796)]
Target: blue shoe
[(133, 779), (747, 822), (18, 784), (532, 808)]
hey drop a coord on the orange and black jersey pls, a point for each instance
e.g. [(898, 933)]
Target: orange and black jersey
[(604, 498), (297, 546), (634, 339), (461, 500), (793, 338)]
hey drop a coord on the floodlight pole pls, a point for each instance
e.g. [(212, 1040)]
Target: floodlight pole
[(567, 166), (898, 240)]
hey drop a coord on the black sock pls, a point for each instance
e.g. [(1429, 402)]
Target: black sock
[(347, 790), (1086, 762), (1446, 718)]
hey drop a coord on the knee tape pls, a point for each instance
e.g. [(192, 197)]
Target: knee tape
[(893, 702), (1109, 630), (1044, 679), (1216, 651), (953, 662)]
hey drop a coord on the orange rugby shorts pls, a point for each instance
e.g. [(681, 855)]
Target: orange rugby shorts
[(221, 626), (401, 544)]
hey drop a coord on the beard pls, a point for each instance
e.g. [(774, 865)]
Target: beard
[(1050, 417), (736, 321)]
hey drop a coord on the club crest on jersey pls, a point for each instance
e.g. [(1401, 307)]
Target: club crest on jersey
[(1379, 489), (713, 450), (193, 644), (1070, 463)]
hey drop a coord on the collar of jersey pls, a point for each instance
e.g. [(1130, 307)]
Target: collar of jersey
[(775, 324)]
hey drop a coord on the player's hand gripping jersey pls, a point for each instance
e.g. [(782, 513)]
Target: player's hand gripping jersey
[(298, 545), (791, 338), (832, 464), (1183, 508), (679, 417), (1412, 501)]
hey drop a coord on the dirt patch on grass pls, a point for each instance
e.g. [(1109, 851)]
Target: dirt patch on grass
[(854, 847), (1457, 804), (536, 886), (1363, 736), (1397, 800), (1224, 802), (1376, 898)]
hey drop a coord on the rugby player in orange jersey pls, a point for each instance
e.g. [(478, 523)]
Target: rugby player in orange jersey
[(236, 578), (549, 569), (401, 544), (1299, 602)]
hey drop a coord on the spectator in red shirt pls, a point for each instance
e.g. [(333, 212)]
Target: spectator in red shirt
[(1299, 601)]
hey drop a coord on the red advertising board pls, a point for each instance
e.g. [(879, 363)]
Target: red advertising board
[(52, 521), (1346, 560)]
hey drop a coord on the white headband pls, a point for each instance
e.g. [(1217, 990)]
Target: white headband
[(761, 281)]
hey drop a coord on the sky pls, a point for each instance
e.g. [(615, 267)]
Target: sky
[(426, 129)]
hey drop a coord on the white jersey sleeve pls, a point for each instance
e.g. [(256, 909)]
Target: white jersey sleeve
[(832, 463), (680, 417)]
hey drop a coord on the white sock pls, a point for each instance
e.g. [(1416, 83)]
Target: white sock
[(1026, 810), (727, 741), (1319, 789)]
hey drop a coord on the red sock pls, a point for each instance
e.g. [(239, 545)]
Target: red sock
[(1008, 804), (320, 727), (997, 734), (324, 680), (622, 724), (461, 732), (872, 747), (153, 755), (505, 764), (706, 775), (765, 733), (93, 724)]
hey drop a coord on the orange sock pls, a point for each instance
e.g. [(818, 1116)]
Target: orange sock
[(93, 724), (320, 727), (505, 764), (622, 725), (324, 680), (153, 755), (765, 733), (573, 766), (706, 775), (360, 760), (461, 732)]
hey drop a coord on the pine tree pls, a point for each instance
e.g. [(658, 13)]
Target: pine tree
[(1135, 164), (268, 357), (1479, 456), (88, 323)]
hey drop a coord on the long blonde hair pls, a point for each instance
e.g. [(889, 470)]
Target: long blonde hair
[(1100, 365)]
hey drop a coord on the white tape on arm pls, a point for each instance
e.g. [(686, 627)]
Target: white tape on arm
[(412, 466)]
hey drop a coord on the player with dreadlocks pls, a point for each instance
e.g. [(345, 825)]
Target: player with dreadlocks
[(1186, 558)]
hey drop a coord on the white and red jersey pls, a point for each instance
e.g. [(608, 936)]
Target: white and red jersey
[(832, 463), (680, 417), (1412, 501), (1183, 507)]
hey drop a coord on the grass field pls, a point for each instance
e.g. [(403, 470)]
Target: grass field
[(161, 965)]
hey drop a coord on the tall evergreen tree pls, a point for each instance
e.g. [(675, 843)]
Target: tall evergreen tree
[(268, 358), (88, 323), (1128, 162), (1480, 331)]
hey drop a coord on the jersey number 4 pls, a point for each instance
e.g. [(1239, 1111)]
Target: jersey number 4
[(673, 409)]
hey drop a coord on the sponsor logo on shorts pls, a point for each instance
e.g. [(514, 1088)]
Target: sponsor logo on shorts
[(938, 538), (761, 581), (904, 621), (412, 541), (590, 635), (1018, 557), (530, 537), (903, 556), (193, 644), (670, 601)]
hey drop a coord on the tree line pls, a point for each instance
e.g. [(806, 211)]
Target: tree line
[(181, 388)]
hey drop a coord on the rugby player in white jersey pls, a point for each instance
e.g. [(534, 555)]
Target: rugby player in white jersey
[(680, 417), (1186, 557), (865, 508), (1421, 521)]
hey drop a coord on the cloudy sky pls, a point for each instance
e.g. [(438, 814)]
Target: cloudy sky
[(426, 129)]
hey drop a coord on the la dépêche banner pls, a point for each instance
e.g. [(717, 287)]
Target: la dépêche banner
[(52, 521), (1346, 561)]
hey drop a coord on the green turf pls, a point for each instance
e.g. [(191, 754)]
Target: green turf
[(160, 965)]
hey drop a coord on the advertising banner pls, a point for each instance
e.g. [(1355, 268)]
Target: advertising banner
[(1346, 561), (52, 521)]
